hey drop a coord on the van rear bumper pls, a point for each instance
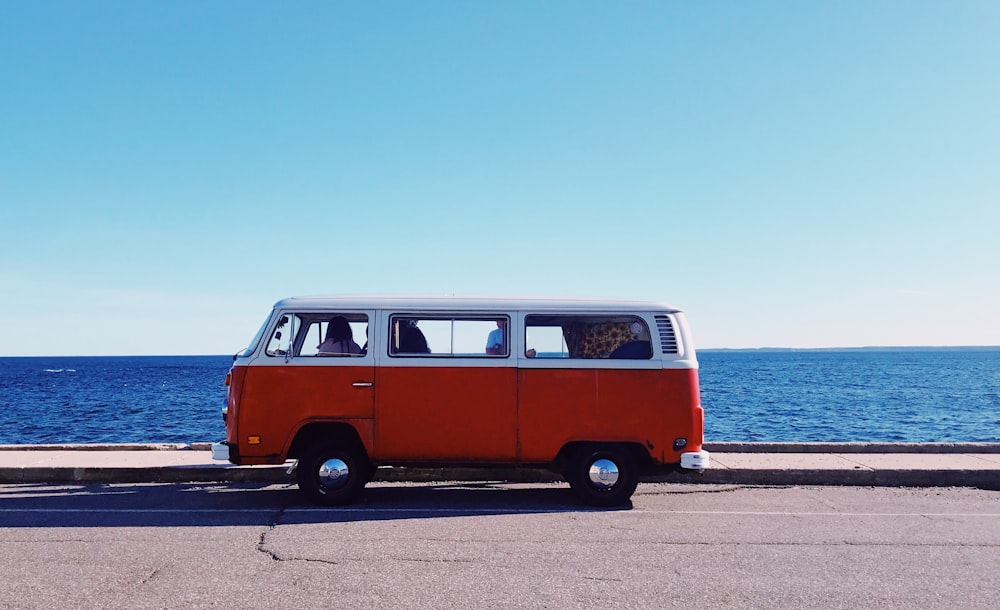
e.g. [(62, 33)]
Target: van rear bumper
[(695, 460)]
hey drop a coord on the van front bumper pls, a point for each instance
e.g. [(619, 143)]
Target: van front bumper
[(695, 460)]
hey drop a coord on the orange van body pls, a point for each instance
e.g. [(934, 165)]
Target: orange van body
[(517, 424), (521, 407)]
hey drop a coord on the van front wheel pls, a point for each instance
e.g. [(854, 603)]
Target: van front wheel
[(603, 476), (332, 474)]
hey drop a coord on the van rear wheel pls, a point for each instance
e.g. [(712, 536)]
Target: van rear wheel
[(603, 476), (331, 475)]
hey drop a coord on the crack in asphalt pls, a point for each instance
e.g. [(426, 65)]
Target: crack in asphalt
[(272, 524), (150, 577), (310, 560), (429, 560)]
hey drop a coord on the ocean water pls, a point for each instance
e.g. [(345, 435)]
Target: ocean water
[(852, 395), (911, 396), (168, 399)]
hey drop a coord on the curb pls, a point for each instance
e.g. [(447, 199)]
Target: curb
[(981, 479), (221, 472), (278, 474), (165, 474)]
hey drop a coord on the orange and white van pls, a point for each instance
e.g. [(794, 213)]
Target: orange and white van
[(597, 390)]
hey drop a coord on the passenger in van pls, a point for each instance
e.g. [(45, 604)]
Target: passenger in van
[(494, 342), (633, 350), (411, 338), (339, 339)]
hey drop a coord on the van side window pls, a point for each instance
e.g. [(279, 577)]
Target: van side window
[(334, 334), (320, 334), (449, 336), (587, 336)]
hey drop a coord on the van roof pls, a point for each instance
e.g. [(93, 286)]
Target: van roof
[(448, 302)]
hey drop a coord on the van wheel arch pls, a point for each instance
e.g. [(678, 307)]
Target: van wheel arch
[(570, 452), (315, 433)]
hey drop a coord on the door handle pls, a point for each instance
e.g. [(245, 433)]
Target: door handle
[(362, 384)]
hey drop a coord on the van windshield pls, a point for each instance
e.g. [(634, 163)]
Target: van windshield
[(253, 342)]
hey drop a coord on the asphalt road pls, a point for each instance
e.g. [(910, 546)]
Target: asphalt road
[(440, 546)]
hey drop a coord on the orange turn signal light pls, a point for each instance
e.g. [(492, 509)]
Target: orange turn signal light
[(253, 440)]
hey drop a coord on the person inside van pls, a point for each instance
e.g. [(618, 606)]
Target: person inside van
[(411, 338), (494, 342), (339, 339)]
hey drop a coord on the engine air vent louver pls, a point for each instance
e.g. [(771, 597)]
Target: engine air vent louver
[(668, 339)]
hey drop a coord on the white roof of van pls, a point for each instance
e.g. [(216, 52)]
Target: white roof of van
[(448, 302)]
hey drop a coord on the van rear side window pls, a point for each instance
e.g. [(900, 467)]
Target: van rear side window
[(587, 336)]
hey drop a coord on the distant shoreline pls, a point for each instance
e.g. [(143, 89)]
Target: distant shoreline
[(887, 348)]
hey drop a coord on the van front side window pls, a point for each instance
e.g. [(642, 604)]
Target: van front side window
[(587, 336), (320, 335)]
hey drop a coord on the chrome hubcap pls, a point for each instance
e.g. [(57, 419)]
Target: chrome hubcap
[(603, 474), (333, 473)]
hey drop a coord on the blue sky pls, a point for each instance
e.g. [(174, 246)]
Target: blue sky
[(796, 174)]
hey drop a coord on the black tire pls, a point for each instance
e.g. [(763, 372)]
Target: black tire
[(332, 475), (603, 476)]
